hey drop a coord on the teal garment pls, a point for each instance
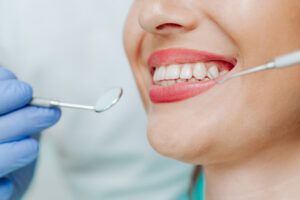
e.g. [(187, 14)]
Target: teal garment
[(198, 192)]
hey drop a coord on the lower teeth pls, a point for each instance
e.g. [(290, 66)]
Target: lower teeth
[(172, 82)]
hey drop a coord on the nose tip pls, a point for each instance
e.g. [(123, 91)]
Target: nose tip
[(164, 18)]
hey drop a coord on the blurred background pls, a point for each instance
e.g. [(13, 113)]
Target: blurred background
[(72, 50)]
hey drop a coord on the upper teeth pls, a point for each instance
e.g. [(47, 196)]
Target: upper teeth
[(186, 72), (213, 72), (200, 71), (173, 72)]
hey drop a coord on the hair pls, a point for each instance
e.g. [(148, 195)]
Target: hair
[(194, 179)]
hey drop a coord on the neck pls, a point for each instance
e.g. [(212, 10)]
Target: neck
[(271, 174)]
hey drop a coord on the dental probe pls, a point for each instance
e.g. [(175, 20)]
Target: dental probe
[(104, 102), (279, 62)]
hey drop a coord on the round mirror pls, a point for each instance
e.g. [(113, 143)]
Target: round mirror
[(108, 99)]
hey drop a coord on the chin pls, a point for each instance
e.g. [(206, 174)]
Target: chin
[(171, 137)]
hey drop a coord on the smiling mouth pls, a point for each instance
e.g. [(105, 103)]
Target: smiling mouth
[(179, 74)]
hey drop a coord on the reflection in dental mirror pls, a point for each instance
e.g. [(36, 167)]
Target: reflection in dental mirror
[(108, 100)]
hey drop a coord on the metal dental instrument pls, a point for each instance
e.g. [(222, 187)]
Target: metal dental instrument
[(104, 102), (278, 63)]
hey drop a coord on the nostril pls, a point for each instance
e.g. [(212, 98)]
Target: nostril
[(169, 25)]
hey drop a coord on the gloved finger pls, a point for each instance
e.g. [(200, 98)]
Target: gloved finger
[(21, 179), (27, 121), (15, 155), (14, 94), (6, 189), (5, 74)]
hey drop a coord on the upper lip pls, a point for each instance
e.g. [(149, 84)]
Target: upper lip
[(170, 56)]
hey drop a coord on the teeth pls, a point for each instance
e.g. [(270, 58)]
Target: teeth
[(213, 72), (171, 82), (224, 72), (164, 83), (199, 71), (173, 72), (193, 80), (159, 74), (186, 72), (176, 73), (181, 81)]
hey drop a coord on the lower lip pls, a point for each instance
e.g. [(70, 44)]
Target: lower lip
[(179, 91)]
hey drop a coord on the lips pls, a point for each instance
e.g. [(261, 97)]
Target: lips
[(183, 89)]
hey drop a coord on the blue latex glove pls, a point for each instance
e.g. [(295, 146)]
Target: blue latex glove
[(18, 125)]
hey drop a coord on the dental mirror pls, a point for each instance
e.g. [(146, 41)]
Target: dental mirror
[(104, 102), (108, 100)]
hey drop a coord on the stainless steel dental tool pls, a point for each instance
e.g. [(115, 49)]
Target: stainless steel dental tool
[(104, 102), (278, 63)]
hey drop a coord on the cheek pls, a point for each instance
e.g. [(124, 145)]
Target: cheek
[(132, 37), (278, 97), (272, 29), (262, 29)]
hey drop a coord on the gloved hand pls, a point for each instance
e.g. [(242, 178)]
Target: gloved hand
[(18, 124)]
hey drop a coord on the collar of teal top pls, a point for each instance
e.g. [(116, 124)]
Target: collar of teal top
[(198, 193)]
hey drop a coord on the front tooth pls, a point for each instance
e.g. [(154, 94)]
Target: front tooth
[(159, 74), (199, 71), (173, 72), (186, 72), (213, 72)]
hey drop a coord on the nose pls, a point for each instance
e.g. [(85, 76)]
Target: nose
[(165, 17)]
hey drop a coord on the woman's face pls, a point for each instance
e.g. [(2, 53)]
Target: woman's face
[(171, 44)]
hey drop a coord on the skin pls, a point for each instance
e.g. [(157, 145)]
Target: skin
[(245, 132)]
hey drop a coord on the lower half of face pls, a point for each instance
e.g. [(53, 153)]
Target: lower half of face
[(176, 50)]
